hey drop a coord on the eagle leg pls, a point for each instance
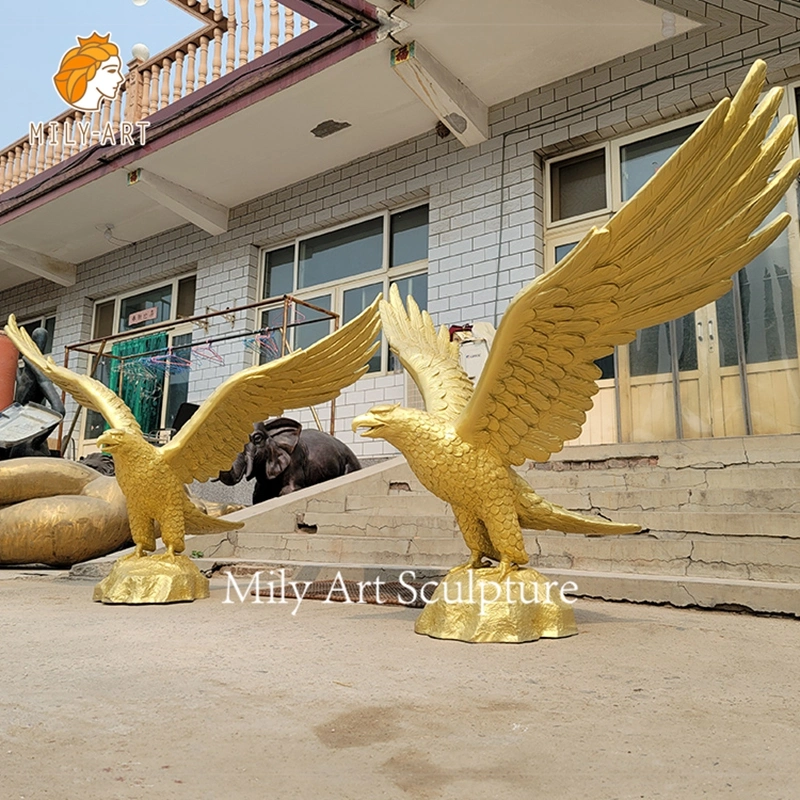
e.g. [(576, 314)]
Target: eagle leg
[(173, 528), (143, 532), (474, 532)]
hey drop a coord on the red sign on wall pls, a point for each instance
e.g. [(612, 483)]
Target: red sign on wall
[(142, 316)]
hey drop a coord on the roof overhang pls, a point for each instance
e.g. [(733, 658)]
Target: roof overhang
[(249, 133)]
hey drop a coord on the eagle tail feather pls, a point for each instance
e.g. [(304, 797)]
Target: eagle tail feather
[(198, 521), (536, 513)]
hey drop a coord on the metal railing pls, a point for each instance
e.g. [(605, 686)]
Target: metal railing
[(98, 349), (235, 32)]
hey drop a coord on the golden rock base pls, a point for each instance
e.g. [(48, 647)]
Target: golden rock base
[(483, 605), (152, 579)]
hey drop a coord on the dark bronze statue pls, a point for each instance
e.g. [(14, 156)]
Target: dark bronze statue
[(283, 457), (34, 387)]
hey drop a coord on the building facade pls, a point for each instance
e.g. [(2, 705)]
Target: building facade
[(461, 228)]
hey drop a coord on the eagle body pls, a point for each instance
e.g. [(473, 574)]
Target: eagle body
[(491, 502), (672, 248), (152, 490)]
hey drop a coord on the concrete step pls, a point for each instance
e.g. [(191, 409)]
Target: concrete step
[(446, 551), (667, 553), (687, 498), (731, 477), (362, 524), (754, 523), (657, 553), (401, 503)]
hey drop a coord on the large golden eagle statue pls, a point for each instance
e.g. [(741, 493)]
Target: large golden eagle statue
[(152, 478), (671, 249)]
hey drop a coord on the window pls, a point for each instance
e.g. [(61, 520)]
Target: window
[(153, 395), (343, 270), (578, 185), (727, 369)]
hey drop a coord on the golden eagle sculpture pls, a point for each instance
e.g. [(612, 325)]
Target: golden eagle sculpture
[(670, 250), (152, 478)]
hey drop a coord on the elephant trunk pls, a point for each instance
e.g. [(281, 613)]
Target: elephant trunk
[(249, 462)]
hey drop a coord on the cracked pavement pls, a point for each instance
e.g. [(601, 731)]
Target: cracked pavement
[(210, 700)]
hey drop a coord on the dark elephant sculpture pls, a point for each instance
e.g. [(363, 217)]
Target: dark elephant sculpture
[(283, 457)]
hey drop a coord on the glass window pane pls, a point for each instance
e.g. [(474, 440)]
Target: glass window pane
[(50, 327), (641, 160), (765, 287), (417, 287), (651, 352), (186, 294), (269, 342), (578, 185), (279, 272), (409, 236), (104, 320), (155, 305), (178, 391), (687, 342), (563, 249), (310, 331), (341, 254), (355, 301), (95, 424), (767, 307)]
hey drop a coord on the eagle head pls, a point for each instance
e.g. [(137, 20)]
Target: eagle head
[(113, 439), (390, 422)]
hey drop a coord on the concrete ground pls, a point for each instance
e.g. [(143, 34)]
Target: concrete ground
[(214, 700)]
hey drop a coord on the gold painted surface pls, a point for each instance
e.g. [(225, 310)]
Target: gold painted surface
[(58, 513), (152, 479), (671, 249), (161, 578), (487, 605)]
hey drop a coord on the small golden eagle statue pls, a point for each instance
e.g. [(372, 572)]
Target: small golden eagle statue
[(670, 250), (152, 478)]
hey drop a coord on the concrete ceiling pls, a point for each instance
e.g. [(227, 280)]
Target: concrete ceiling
[(499, 50)]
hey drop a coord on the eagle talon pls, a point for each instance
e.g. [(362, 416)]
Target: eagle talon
[(506, 568), (476, 562)]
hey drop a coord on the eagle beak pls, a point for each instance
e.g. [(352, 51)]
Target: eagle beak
[(370, 423), (106, 441)]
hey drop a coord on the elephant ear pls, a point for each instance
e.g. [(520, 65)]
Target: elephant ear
[(284, 434)]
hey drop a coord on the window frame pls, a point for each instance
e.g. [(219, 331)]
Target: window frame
[(177, 331), (572, 229), (43, 320), (385, 275), (548, 186), (119, 298)]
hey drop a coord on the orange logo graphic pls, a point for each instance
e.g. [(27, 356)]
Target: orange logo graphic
[(90, 73)]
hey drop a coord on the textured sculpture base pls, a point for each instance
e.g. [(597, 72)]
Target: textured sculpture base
[(152, 579), (484, 606)]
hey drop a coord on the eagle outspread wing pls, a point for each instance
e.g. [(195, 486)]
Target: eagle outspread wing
[(87, 391), (429, 357), (671, 249), (210, 441)]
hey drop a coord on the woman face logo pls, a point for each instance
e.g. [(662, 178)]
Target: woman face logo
[(90, 73)]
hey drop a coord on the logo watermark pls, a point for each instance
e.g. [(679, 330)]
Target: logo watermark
[(88, 76), (279, 589)]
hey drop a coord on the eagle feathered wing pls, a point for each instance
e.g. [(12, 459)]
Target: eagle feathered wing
[(87, 391), (671, 249), (429, 356), (217, 432)]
